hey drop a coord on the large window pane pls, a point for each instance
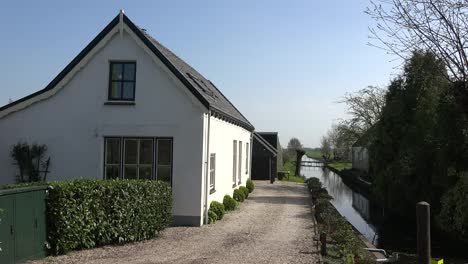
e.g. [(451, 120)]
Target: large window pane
[(234, 161), (131, 151), (128, 90), (130, 172), (113, 151), (164, 173), (129, 72), (116, 90), (145, 172), (146, 151), (116, 71), (112, 171), (164, 151)]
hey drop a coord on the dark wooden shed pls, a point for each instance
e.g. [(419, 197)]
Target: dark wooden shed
[(264, 159)]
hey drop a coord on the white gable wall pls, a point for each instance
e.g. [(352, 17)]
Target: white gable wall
[(74, 122)]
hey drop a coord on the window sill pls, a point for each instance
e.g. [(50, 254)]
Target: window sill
[(212, 191), (119, 103), (234, 185)]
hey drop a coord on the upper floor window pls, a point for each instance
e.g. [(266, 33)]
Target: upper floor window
[(122, 81)]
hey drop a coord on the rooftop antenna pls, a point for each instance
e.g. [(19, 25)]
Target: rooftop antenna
[(121, 22)]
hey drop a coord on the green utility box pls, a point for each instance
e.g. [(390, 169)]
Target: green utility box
[(22, 224)]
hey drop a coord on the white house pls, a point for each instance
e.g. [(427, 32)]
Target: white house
[(127, 107)]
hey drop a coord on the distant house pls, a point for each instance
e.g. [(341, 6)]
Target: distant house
[(360, 158), (360, 153), (266, 156), (127, 107)]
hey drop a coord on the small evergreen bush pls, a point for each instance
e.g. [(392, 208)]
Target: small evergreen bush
[(218, 209), (212, 217), (250, 185), (245, 191), (238, 195), (229, 203)]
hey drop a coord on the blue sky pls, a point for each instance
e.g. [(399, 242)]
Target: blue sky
[(284, 64)]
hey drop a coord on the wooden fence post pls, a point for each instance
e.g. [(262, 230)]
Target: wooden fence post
[(323, 243), (423, 217)]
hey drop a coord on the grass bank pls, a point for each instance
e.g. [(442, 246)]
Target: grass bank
[(340, 165), (343, 241), (314, 154), (289, 168)]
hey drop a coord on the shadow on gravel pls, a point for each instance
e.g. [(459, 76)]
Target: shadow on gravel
[(280, 200)]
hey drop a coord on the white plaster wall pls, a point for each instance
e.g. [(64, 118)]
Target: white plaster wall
[(73, 123), (222, 135)]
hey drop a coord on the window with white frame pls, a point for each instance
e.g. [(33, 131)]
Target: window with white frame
[(234, 162), (239, 171), (212, 172), (138, 158)]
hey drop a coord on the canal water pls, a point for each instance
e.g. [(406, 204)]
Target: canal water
[(352, 205), (383, 231)]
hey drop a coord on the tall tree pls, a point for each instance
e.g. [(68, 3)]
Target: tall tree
[(404, 153), (438, 26), (364, 107), (294, 144)]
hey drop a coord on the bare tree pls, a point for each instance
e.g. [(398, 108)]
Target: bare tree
[(325, 148), (294, 144), (438, 26), (365, 107)]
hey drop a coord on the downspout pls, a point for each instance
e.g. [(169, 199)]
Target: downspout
[(207, 184)]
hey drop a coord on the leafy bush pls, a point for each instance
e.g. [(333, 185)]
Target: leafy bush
[(229, 203), (313, 184), (282, 175), (250, 185), (245, 191), (454, 214), (212, 217), (89, 213), (238, 195), (218, 209)]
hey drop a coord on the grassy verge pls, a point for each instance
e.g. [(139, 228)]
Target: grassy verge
[(290, 167), (343, 241), (341, 165), (314, 154)]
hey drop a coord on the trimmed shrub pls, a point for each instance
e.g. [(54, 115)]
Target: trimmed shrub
[(250, 185), (218, 209), (229, 203), (212, 217), (245, 191), (238, 195), (89, 213)]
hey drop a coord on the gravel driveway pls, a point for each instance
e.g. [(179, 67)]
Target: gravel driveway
[(274, 225)]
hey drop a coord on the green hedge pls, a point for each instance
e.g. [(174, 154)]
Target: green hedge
[(245, 191), (238, 195), (250, 185), (89, 213), (229, 203)]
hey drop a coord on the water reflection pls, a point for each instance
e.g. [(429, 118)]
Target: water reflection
[(352, 205)]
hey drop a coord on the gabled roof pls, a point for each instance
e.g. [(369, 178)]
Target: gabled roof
[(265, 144), (203, 89)]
